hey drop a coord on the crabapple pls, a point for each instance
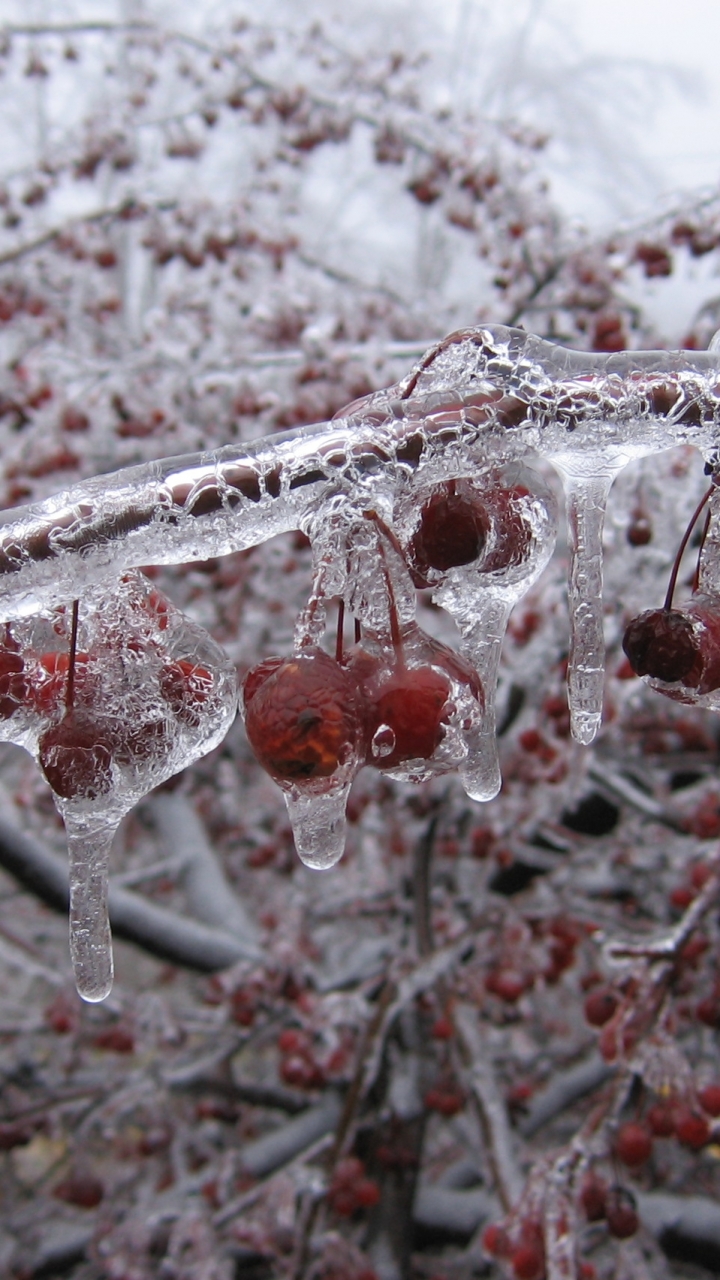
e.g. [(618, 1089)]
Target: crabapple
[(633, 1144), (600, 1005), (76, 757), (303, 717), (621, 1213), (185, 686), (662, 643), (453, 530)]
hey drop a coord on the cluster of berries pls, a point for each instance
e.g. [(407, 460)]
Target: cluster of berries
[(312, 718), (60, 699), (351, 1190), (679, 647)]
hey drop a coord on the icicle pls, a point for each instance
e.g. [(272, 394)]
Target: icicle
[(319, 825), (482, 640), (90, 940), (587, 482)]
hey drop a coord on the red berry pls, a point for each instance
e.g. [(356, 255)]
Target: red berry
[(593, 1197), (506, 983), (691, 1129), (442, 1029), (49, 681), (117, 1039), (185, 686), (708, 1011), (76, 758), (13, 681), (621, 1213), (453, 530), (639, 531), (528, 1262), (633, 1144), (709, 1099), (660, 1120), (495, 1240), (662, 643), (367, 1193), (410, 702), (304, 720), (600, 1005), (81, 1189)]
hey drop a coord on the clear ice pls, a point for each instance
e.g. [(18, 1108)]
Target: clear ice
[(480, 400), (158, 691)]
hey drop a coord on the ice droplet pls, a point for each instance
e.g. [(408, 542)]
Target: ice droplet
[(319, 825), (587, 481), (90, 938)]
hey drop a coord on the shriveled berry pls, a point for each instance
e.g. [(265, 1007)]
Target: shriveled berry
[(662, 643), (600, 1005), (621, 1213), (633, 1144), (305, 719), (76, 757)]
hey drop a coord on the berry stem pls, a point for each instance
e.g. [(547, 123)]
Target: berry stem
[(339, 636), (394, 621), (681, 549), (70, 689)]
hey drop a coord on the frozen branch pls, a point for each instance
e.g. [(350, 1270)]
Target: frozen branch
[(159, 931), (564, 1089), (211, 896), (482, 395)]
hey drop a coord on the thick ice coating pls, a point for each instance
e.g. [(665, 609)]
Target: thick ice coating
[(151, 692), (439, 461)]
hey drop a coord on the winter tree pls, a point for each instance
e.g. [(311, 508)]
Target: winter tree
[(314, 405)]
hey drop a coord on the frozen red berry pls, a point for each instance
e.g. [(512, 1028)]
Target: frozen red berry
[(691, 1128), (76, 757), (621, 1213), (593, 1197), (662, 643), (528, 1262), (453, 530), (304, 719), (186, 686), (633, 1144), (600, 1005), (660, 1119)]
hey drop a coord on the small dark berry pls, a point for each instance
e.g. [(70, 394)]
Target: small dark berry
[(662, 643)]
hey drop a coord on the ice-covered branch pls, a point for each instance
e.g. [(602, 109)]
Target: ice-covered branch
[(482, 396)]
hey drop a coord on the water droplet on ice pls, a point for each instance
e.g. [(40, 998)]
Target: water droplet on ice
[(383, 743)]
